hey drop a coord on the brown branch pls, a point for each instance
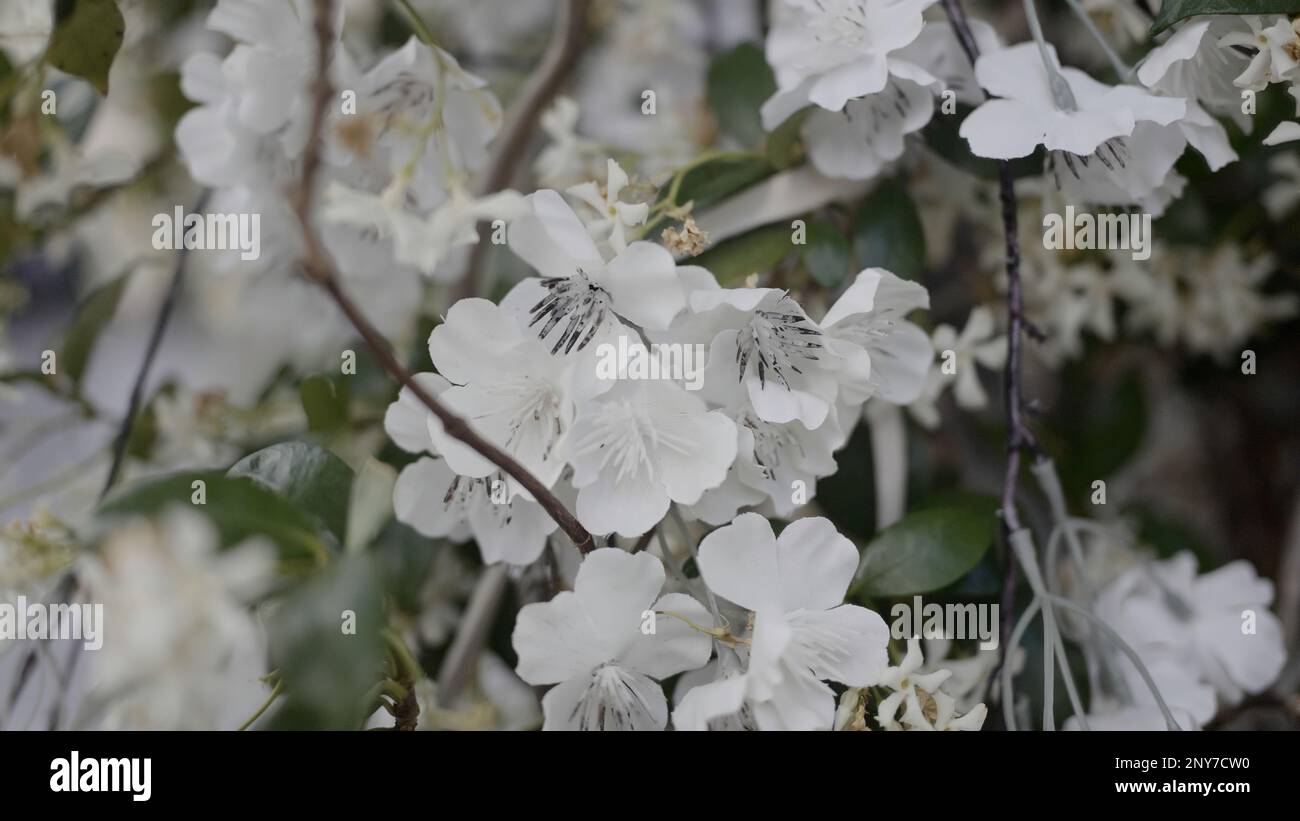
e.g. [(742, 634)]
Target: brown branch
[(566, 45), (1019, 436), (319, 268)]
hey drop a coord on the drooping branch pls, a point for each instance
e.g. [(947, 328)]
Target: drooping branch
[(566, 45), (319, 268)]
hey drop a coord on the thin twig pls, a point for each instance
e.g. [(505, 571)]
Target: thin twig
[(150, 353), (566, 45), (1019, 437), (472, 633), (318, 267)]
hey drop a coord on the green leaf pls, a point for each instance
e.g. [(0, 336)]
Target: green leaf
[(719, 178), (325, 400), (404, 559), (926, 550), (1171, 11), (739, 82), (849, 494), (92, 316), (308, 476), (370, 504), (784, 147), (758, 251), (238, 507), (826, 254), (86, 37), (1102, 425), (327, 672), (887, 231)]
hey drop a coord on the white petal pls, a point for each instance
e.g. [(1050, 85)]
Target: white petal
[(815, 563), (406, 420), (556, 640), (739, 563), (643, 282), (674, 646)]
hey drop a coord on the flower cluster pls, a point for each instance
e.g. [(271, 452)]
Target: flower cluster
[(779, 393)]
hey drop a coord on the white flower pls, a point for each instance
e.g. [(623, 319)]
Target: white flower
[(436, 119), (422, 242), (802, 633), (827, 52), (508, 387), (1276, 41), (612, 217), (1285, 132), (253, 115), (608, 642), (924, 705), (436, 501), (1193, 64), (181, 649), (885, 355), (765, 350), (1110, 145), (837, 56), (585, 292), (431, 498), (1216, 627), (976, 344), (772, 460), (1283, 191), (642, 445), (569, 157)]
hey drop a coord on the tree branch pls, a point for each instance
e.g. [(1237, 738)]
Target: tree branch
[(566, 45), (150, 353), (318, 267), (1019, 436)]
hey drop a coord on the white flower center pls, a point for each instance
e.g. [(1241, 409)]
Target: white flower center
[(1113, 154), (839, 22), (769, 440), (577, 298), (610, 703), (775, 340), (626, 434), (868, 114), (534, 407), (466, 493)]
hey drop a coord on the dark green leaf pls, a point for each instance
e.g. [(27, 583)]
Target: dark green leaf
[(739, 82), (238, 507), (758, 251), (1102, 423), (1171, 11), (849, 494), (403, 558), (784, 148), (887, 231), (86, 37), (720, 178), (310, 477), (92, 316), (327, 672), (325, 401), (826, 254), (926, 550)]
